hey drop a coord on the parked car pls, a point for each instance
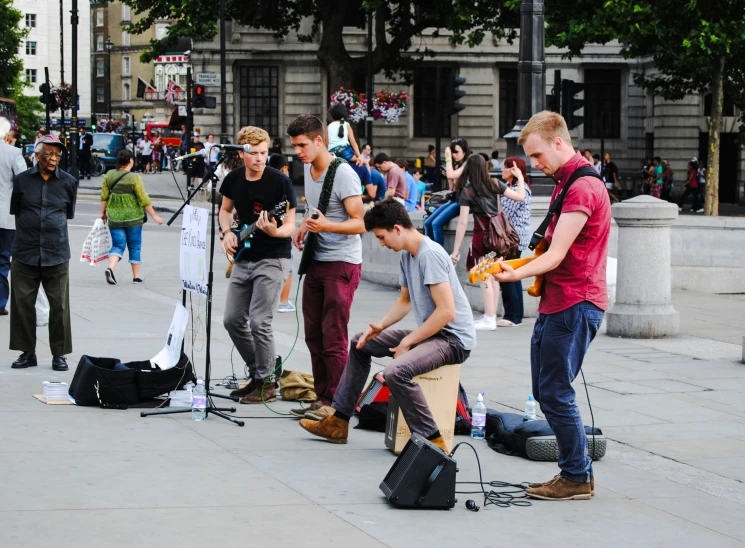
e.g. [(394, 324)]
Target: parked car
[(107, 147)]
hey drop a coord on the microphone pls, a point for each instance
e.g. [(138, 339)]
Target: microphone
[(196, 154), (243, 148)]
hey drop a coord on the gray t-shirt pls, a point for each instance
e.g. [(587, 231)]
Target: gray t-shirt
[(335, 247), (432, 265)]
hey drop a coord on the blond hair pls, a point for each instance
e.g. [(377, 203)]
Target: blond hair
[(549, 125), (251, 135)]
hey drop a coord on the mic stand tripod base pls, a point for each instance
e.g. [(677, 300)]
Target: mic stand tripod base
[(210, 409)]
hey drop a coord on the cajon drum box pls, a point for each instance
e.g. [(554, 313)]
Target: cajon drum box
[(440, 388)]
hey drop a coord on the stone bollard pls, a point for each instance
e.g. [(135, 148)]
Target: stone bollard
[(643, 309)]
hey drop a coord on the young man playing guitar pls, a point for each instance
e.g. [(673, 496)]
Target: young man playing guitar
[(334, 271), (257, 277), (573, 299)]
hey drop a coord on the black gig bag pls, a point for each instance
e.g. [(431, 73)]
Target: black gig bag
[(99, 381)]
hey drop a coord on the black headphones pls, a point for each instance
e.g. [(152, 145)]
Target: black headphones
[(471, 505)]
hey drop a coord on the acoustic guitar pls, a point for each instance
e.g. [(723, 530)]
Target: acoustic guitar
[(246, 233), (489, 265)]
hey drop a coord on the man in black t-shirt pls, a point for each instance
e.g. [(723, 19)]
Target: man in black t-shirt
[(257, 276)]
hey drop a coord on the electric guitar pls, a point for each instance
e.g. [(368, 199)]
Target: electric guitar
[(488, 265), (246, 233)]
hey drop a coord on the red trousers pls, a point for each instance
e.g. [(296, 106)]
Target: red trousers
[(328, 291)]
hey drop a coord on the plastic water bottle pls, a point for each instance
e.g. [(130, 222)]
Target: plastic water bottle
[(529, 409), (478, 418), (199, 401)]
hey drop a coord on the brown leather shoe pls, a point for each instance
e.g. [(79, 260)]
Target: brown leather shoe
[(332, 428), (557, 476), (245, 391), (561, 488), (320, 413), (263, 393), (439, 441), (300, 412)]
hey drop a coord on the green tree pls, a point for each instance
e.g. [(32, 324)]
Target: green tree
[(397, 24), (11, 35), (29, 111), (696, 46)]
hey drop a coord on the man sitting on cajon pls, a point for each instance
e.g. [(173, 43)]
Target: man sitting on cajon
[(445, 333)]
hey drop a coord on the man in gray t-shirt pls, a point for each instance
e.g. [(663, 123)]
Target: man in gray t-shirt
[(445, 334), (334, 272)]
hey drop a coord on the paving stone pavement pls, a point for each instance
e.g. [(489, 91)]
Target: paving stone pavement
[(76, 476)]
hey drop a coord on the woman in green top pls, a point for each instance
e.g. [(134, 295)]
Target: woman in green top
[(124, 203)]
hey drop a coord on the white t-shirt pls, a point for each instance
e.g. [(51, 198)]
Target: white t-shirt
[(334, 139), (147, 148), (330, 246)]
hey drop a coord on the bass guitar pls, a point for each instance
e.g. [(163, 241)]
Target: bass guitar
[(489, 265), (309, 249), (246, 233)]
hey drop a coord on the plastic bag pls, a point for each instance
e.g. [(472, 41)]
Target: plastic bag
[(42, 308), (97, 245)]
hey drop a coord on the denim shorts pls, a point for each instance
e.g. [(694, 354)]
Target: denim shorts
[(131, 238)]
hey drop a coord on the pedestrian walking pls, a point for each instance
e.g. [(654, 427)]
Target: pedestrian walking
[(11, 164), (84, 153), (43, 200), (655, 189), (667, 181), (124, 203), (692, 188)]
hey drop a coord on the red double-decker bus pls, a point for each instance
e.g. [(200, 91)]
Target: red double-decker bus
[(8, 110)]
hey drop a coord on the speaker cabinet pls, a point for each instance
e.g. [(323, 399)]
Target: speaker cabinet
[(423, 476)]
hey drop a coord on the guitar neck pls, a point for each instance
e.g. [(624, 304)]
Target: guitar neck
[(477, 273)]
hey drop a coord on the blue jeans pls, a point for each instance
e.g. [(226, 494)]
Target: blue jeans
[(6, 246), (131, 238), (512, 299), (346, 152), (557, 349), (435, 223)]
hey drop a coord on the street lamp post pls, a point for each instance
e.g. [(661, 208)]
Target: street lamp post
[(109, 45)]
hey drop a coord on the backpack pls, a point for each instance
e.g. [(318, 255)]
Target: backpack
[(499, 234)]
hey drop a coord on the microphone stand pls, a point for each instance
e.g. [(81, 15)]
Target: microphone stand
[(211, 408)]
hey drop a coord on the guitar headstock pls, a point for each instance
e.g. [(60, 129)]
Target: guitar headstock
[(486, 266), (280, 210)]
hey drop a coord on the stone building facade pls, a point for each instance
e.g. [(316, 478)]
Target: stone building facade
[(269, 82)]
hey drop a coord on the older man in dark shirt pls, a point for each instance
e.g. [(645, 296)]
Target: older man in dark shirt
[(43, 200)]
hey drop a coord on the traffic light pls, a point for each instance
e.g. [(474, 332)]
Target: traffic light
[(456, 94), (200, 100), (44, 97), (570, 104), (94, 123)]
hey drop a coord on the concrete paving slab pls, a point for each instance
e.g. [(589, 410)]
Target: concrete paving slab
[(730, 467), (685, 450)]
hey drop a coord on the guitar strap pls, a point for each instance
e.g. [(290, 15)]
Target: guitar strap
[(328, 184), (555, 208)]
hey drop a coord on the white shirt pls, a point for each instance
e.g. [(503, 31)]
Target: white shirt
[(11, 164)]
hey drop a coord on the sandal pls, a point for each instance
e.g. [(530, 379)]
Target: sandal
[(507, 323)]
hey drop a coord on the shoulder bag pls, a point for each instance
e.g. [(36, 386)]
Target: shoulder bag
[(499, 234)]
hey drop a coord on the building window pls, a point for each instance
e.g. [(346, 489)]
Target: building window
[(100, 97), (507, 100), (31, 76), (125, 38), (99, 42), (31, 20), (602, 98), (100, 68), (728, 105), (125, 66), (126, 13), (126, 94), (99, 18), (161, 30), (259, 98), (425, 105), (30, 48)]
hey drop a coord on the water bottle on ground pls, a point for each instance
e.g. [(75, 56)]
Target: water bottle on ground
[(478, 418), (529, 414), (199, 401)]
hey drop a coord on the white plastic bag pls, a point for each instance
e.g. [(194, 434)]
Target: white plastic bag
[(42, 308), (97, 245), (610, 278)]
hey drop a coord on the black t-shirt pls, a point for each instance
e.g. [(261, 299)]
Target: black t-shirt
[(477, 203), (252, 197), (610, 170)]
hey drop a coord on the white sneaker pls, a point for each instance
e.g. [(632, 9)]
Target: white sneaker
[(486, 324), (700, 210), (286, 307)]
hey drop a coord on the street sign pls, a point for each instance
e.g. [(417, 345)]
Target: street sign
[(208, 79), (182, 110)]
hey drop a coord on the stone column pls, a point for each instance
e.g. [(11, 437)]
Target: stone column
[(643, 306)]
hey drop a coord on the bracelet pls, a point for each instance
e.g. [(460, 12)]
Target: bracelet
[(448, 160)]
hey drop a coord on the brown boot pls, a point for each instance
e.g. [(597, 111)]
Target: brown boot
[(300, 412), (561, 488), (557, 476), (439, 441), (263, 393), (245, 391), (332, 428)]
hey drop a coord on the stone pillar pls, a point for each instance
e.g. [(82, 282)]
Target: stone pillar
[(643, 306)]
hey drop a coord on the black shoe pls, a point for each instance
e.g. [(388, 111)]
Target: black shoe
[(27, 359), (110, 279), (136, 280), (59, 363)]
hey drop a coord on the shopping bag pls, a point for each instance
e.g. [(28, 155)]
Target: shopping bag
[(97, 245), (42, 308)]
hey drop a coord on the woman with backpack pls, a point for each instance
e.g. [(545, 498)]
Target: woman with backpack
[(480, 196), (455, 157)]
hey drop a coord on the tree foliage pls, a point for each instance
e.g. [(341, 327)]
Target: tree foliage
[(28, 108), (696, 47), (398, 25), (11, 35)]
